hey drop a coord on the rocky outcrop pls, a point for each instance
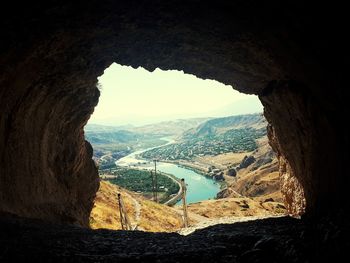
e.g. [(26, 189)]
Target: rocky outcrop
[(52, 52), (265, 159), (247, 160)]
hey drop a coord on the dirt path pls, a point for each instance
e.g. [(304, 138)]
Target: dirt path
[(203, 222), (137, 206), (191, 215), (236, 193), (137, 209)]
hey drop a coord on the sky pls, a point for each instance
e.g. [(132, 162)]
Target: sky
[(139, 97)]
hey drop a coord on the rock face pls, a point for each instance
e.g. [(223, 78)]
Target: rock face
[(268, 158), (247, 160), (291, 188), (51, 54)]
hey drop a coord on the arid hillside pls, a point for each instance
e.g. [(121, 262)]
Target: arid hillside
[(256, 175), (149, 216), (251, 178), (236, 207)]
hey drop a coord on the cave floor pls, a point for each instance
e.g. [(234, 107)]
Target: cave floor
[(269, 240)]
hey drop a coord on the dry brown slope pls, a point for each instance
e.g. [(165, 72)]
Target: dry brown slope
[(153, 217), (264, 181), (260, 180), (236, 207)]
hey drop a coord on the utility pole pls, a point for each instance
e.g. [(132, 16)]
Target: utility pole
[(156, 179), (124, 219), (184, 205), (153, 187)]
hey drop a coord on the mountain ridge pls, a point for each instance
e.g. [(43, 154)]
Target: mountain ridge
[(221, 125)]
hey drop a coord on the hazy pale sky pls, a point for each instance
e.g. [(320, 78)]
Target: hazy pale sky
[(137, 96)]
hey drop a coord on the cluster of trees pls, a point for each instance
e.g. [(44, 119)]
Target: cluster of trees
[(108, 165), (141, 181)]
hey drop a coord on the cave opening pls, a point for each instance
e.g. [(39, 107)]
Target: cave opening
[(203, 131), (62, 88), (51, 55)]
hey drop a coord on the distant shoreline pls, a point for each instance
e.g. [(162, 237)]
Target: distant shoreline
[(187, 166), (172, 201)]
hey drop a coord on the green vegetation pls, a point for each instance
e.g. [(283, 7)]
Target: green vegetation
[(233, 140), (107, 165), (141, 181)]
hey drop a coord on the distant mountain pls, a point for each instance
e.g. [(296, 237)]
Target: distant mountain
[(103, 134), (104, 128), (170, 128), (107, 137), (183, 128), (221, 125)]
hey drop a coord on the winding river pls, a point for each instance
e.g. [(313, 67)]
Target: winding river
[(199, 187)]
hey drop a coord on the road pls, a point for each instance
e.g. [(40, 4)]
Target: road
[(177, 196)]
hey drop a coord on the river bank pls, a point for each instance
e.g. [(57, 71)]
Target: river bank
[(200, 186), (172, 201), (197, 169)]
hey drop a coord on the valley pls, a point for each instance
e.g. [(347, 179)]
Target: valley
[(146, 215), (230, 153)]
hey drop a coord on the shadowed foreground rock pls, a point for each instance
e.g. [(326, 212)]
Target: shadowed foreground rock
[(268, 240)]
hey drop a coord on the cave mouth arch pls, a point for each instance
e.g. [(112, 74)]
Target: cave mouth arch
[(53, 55), (186, 103)]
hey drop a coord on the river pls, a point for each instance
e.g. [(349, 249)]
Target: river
[(199, 187)]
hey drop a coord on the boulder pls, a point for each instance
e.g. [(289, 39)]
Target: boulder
[(231, 172)]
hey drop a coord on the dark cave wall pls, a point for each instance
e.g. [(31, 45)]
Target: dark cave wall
[(52, 54), (46, 167)]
